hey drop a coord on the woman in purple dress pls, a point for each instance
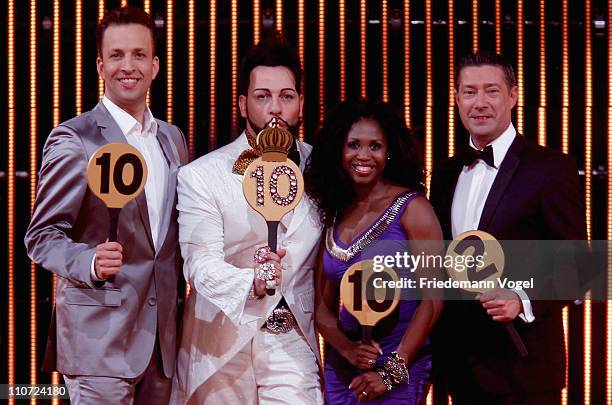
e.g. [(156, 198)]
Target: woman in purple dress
[(366, 176)]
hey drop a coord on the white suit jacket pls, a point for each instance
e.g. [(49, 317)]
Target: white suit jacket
[(219, 233)]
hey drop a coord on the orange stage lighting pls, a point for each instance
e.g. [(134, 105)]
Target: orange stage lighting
[(342, 47), (542, 107), (407, 116), (428, 94), (451, 78), (520, 77)]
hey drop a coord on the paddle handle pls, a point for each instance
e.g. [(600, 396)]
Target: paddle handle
[(272, 241), (366, 334), (113, 223), (519, 345), (113, 216)]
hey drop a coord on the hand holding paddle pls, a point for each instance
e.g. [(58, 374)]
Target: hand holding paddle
[(480, 242), (273, 185), (116, 174)]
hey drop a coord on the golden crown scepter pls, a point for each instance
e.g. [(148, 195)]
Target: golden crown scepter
[(273, 185)]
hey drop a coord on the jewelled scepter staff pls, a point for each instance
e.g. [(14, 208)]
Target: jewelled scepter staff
[(273, 184)]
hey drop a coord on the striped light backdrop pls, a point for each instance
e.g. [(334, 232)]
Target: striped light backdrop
[(400, 51)]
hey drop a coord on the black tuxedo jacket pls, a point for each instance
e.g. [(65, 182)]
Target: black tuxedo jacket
[(536, 195)]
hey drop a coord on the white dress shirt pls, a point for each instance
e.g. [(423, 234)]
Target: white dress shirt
[(471, 192), (143, 138)]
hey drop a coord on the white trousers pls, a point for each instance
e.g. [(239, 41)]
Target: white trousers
[(270, 369)]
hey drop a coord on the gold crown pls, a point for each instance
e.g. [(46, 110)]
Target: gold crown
[(274, 142)]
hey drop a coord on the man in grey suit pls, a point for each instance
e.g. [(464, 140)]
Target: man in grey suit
[(116, 302)]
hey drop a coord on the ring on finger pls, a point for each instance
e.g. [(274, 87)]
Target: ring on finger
[(365, 394), (261, 254), (270, 284), (266, 271), (371, 362)]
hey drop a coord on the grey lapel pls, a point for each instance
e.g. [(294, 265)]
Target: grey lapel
[(172, 158), (112, 133), (108, 127), (506, 172)]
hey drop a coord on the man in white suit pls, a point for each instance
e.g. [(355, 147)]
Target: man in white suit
[(233, 351)]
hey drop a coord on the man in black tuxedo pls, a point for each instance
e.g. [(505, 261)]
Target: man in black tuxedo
[(513, 189)]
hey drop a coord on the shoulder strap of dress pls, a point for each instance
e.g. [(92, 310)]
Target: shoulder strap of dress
[(403, 200)]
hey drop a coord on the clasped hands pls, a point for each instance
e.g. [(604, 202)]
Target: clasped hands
[(369, 384)]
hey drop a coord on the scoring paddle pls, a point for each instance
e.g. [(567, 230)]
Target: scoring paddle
[(363, 300), (273, 185), (480, 243), (116, 174)]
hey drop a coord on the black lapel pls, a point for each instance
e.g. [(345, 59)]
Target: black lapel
[(506, 172), (449, 181)]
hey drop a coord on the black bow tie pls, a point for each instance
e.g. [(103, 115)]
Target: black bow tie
[(486, 155)]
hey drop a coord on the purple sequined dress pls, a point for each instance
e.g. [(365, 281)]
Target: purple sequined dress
[(385, 237)]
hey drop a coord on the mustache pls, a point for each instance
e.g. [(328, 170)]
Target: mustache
[(292, 128), (282, 121)]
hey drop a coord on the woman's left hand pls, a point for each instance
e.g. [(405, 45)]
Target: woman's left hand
[(368, 386)]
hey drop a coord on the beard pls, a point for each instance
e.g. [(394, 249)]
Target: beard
[(292, 128)]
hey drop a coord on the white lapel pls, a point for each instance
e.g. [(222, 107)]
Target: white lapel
[(305, 206)]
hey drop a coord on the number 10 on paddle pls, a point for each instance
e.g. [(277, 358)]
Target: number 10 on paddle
[(273, 185), (116, 174), (363, 300)]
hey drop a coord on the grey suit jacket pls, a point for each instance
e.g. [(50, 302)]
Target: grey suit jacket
[(107, 328)]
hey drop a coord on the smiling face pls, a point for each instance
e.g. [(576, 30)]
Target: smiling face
[(365, 152), (127, 65), (271, 93), (485, 102)]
